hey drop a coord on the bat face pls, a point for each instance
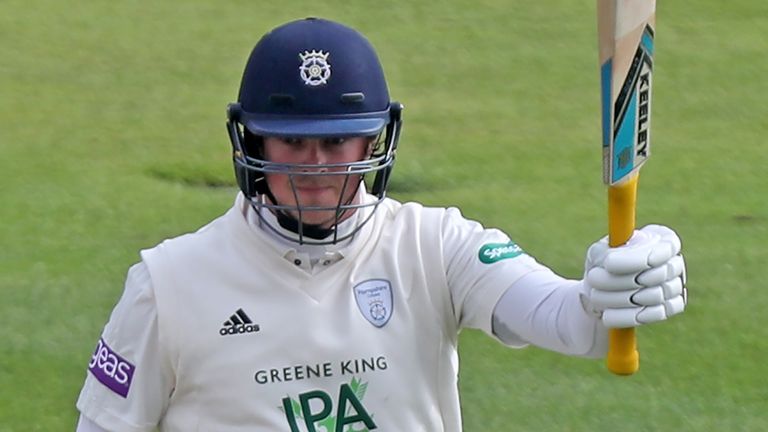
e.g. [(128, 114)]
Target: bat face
[(625, 31)]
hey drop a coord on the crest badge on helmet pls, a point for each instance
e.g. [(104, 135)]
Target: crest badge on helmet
[(315, 69)]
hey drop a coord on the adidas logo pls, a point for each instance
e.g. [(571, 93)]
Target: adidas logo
[(239, 323)]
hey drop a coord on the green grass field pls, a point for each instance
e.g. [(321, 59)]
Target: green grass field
[(112, 138)]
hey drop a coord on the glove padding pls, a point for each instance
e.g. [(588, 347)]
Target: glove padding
[(638, 283)]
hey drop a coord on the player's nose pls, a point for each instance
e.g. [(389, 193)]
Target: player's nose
[(315, 155)]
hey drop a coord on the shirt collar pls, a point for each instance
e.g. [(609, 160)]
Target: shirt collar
[(297, 253)]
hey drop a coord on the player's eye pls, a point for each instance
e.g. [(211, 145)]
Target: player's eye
[(333, 141), (291, 140)]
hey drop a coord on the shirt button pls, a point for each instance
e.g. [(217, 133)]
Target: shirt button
[(297, 262)]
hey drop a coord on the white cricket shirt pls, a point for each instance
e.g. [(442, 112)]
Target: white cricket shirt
[(223, 330)]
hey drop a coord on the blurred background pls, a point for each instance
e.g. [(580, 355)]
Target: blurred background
[(112, 138)]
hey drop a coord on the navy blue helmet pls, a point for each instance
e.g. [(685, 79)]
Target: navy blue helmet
[(312, 78)]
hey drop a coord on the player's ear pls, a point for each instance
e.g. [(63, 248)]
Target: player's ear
[(253, 145), (371, 145)]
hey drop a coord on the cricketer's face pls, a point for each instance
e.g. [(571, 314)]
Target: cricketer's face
[(315, 190)]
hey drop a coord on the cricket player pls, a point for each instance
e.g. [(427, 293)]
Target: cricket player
[(316, 303)]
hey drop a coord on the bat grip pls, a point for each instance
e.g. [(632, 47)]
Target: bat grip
[(623, 357)]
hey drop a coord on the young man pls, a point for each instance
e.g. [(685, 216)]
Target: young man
[(315, 305)]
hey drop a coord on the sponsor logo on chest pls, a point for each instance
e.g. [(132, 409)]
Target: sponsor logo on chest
[(342, 409), (238, 323)]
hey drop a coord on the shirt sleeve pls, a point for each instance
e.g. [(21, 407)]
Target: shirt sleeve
[(129, 379), (546, 310), (480, 264), (86, 425)]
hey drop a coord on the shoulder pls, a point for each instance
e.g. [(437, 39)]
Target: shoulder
[(438, 223), (412, 211), (137, 299), (204, 240)]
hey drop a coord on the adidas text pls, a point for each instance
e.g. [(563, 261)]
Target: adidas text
[(239, 329)]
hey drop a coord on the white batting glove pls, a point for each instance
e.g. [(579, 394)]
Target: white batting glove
[(638, 283)]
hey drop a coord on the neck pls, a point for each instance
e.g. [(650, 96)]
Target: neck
[(316, 232), (287, 228)]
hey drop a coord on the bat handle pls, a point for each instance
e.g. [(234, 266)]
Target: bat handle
[(623, 357)]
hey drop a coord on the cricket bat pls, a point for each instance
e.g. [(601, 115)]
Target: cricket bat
[(625, 40)]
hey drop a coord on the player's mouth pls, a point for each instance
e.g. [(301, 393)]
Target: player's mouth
[(312, 188)]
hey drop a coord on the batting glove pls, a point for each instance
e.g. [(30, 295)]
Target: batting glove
[(638, 283)]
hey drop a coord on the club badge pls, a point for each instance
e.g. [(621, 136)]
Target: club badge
[(374, 299), (315, 69)]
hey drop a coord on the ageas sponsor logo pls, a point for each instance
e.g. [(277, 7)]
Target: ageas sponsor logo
[(111, 369), (493, 252)]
